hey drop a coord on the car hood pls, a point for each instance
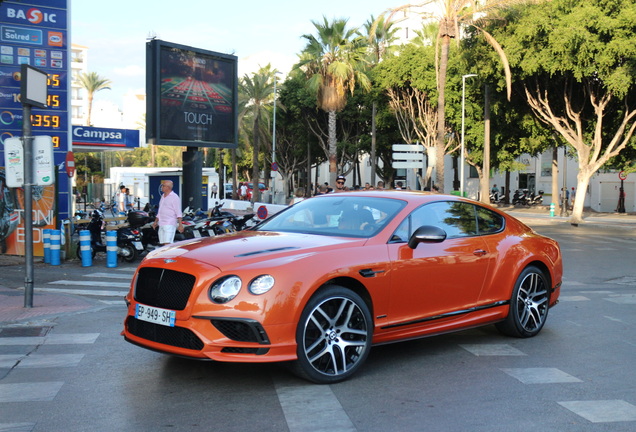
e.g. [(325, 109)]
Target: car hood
[(239, 249)]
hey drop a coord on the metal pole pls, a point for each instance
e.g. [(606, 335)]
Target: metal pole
[(27, 141), (373, 143), (461, 168)]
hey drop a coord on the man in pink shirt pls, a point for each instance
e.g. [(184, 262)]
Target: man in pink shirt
[(169, 214)]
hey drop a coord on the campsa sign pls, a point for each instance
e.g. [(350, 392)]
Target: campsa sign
[(88, 136)]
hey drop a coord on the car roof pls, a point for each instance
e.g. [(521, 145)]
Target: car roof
[(415, 198)]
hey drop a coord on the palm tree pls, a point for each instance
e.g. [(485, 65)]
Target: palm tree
[(92, 83), (382, 38), (256, 95), (454, 13), (333, 61)]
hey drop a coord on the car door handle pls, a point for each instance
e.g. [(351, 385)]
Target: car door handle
[(480, 252)]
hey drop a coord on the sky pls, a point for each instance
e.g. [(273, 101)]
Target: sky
[(257, 32)]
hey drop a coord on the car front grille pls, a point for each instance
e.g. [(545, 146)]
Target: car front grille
[(163, 288), (173, 336)]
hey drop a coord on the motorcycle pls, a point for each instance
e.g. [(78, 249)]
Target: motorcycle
[(240, 222), (520, 197), (496, 198), (536, 199), (128, 239), (142, 221)]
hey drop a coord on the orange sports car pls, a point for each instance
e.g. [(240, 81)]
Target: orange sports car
[(319, 283)]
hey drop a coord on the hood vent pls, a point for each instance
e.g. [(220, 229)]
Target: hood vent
[(266, 251)]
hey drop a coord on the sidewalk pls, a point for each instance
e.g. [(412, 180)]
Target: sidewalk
[(45, 305), (49, 305)]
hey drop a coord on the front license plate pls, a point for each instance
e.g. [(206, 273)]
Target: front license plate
[(138, 245), (155, 315)]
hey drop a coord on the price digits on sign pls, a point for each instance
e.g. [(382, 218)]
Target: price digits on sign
[(45, 120)]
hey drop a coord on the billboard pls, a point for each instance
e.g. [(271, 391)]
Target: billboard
[(35, 33), (192, 96)]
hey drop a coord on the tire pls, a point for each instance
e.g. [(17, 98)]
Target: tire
[(528, 306), (132, 254), (333, 336)]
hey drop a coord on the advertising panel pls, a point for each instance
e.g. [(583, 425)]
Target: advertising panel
[(192, 96), (33, 32)]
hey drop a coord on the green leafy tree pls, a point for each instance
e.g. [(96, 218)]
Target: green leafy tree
[(578, 63), (92, 83), (334, 61), (257, 94), (454, 14)]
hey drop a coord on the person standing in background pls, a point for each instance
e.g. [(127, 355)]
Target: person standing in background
[(121, 200), (215, 189), (169, 214)]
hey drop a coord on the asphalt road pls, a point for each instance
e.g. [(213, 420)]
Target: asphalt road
[(75, 372)]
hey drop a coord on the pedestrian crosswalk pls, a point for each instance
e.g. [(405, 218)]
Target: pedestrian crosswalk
[(109, 288)]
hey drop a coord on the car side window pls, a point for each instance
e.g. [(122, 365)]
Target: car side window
[(488, 221), (457, 219)]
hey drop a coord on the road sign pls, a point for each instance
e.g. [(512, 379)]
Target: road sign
[(70, 164), (622, 175), (408, 147), (402, 164), (43, 169), (408, 156)]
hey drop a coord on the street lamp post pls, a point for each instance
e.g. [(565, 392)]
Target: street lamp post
[(461, 169)]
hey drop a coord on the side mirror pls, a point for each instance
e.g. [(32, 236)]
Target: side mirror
[(427, 234)]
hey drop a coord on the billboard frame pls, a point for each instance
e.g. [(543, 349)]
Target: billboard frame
[(156, 108)]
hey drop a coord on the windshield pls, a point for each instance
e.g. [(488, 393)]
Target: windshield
[(337, 215)]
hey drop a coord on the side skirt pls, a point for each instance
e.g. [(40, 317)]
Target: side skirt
[(447, 315)]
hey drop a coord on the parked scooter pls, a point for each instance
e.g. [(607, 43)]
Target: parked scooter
[(520, 197), (496, 198), (142, 221), (535, 199), (240, 222), (128, 239)]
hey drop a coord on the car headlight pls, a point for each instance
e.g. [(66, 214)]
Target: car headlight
[(261, 284), (224, 290)]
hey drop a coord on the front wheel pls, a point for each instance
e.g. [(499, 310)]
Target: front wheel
[(333, 336), (528, 306)]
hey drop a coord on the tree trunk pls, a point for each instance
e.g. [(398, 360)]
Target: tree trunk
[(333, 150), (440, 144), (485, 183), (583, 180), (555, 180), (256, 191)]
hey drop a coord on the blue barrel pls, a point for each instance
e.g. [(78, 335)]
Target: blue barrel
[(111, 249), (85, 248), (55, 247), (46, 241)]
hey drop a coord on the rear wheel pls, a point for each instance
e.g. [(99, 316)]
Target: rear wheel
[(333, 336), (528, 306), (128, 252)]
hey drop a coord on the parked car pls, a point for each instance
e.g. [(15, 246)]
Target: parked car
[(250, 189), (228, 191), (319, 283)]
